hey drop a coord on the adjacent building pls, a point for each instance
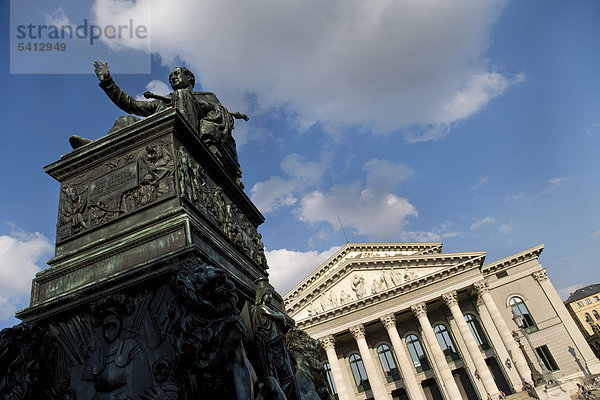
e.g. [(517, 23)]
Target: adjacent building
[(408, 321), (584, 306)]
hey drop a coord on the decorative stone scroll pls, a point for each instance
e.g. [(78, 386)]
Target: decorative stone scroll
[(389, 321), (450, 298), (420, 310), (357, 331), (541, 276), (481, 287), (121, 185)]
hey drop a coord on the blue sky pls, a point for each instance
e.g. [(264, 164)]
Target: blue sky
[(472, 123)]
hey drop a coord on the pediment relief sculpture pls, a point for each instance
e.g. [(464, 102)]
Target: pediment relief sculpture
[(357, 285)]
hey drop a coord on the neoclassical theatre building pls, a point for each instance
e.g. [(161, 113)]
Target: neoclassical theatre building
[(407, 321)]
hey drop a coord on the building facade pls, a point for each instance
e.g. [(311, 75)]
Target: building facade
[(407, 321), (584, 306)]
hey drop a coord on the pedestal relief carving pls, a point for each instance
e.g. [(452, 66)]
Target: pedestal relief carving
[(119, 186)]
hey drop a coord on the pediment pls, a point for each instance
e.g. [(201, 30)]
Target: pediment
[(354, 251), (358, 278)]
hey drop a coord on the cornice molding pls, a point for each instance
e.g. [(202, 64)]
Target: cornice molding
[(519, 258)]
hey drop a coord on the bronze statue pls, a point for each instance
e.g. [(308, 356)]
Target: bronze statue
[(208, 333), (269, 325), (310, 374)]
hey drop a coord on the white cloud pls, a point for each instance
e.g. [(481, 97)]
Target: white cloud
[(554, 184), (157, 87), (369, 212), (595, 235), (20, 255), (287, 267), (484, 222), (480, 183), (505, 228), (58, 18), (384, 65), (277, 192), (274, 193)]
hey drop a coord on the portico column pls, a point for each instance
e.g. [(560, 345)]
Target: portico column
[(487, 379), (592, 363), (328, 343), (420, 311), (505, 334), (377, 385), (414, 389)]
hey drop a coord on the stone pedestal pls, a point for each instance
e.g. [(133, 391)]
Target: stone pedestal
[(157, 253), (134, 202)]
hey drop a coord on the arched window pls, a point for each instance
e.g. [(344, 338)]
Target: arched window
[(388, 363), (477, 331), (416, 353), (358, 370), (519, 309), (588, 318), (329, 375), (596, 315), (445, 341)]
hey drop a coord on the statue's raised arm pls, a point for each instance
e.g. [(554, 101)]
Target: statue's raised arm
[(123, 100)]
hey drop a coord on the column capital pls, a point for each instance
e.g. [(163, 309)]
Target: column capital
[(451, 298), (328, 342), (541, 276), (481, 287), (419, 309), (358, 331), (389, 321)]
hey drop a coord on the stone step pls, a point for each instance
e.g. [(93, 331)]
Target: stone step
[(519, 396)]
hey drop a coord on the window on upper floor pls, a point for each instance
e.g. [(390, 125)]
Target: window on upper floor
[(588, 318), (359, 372), (477, 331), (596, 315), (390, 370), (596, 298), (520, 310), (416, 352), (580, 303), (588, 301), (330, 381), (445, 340), (546, 356)]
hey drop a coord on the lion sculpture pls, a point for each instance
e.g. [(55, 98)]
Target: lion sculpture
[(309, 371), (208, 333)]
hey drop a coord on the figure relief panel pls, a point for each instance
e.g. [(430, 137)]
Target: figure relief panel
[(118, 186), (358, 285), (210, 199)]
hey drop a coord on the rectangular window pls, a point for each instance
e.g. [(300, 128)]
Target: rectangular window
[(501, 274), (588, 301), (546, 356), (596, 298), (580, 303)]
